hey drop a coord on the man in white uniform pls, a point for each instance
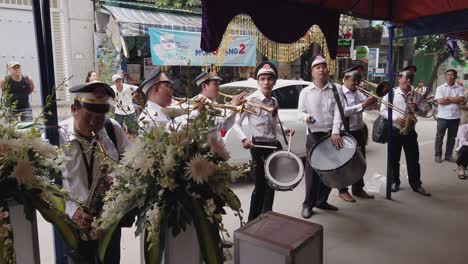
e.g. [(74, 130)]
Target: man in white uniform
[(81, 138), (124, 111)]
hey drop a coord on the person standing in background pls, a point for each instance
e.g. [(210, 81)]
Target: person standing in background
[(91, 77), (124, 111), (449, 96), (20, 87)]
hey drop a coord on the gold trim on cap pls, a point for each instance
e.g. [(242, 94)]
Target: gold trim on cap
[(104, 100)]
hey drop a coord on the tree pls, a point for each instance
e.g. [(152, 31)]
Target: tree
[(436, 45)]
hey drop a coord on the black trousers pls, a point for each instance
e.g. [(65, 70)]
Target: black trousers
[(462, 157), (443, 125), (359, 135), (262, 195), (409, 143), (316, 192), (87, 251)]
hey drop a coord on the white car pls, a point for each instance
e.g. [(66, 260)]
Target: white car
[(287, 94)]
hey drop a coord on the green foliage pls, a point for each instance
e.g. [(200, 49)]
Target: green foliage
[(178, 3)]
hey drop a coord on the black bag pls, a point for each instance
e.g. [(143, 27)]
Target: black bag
[(379, 130)]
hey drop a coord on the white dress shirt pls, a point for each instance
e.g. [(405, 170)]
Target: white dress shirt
[(265, 126), (449, 111), (75, 175), (125, 105), (321, 105), (399, 100), (152, 115), (353, 108), (462, 136)]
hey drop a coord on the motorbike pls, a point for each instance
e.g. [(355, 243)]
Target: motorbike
[(427, 107)]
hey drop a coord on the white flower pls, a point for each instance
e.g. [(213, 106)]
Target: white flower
[(217, 146), (172, 112), (210, 207), (43, 148), (169, 159), (180, 138), (144, 163), (132, 152), (199, 169), (23, 172)]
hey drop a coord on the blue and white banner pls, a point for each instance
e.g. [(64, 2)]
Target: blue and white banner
[(171, 47)]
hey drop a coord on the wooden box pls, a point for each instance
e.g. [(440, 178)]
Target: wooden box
[(274, 238)]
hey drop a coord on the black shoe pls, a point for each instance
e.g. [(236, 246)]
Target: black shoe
[(395, 187), (438, 159), (307, 212), (328, 207), (421, 191), (450, 159)]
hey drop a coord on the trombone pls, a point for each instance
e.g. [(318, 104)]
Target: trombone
[(261, 107), (381, 90), (239, 108)]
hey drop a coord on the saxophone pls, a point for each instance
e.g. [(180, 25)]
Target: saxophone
[(97, 191), (410, 117)]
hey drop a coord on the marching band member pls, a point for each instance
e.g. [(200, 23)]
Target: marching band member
[(317, 107), (209, 82), (408, 142), (89, 116), (158, 90), (354, 103), (264, 130)]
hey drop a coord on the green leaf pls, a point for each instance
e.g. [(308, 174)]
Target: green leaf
[(231, 199), (69, 231), (105, 239), (207, 234), (154, 250)]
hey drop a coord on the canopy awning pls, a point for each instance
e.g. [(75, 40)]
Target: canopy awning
[(135, 22)]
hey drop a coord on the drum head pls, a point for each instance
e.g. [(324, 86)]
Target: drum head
[(324, 156), (284, 170)]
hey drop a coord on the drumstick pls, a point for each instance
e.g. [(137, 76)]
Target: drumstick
[(289, 142), (265, 146)]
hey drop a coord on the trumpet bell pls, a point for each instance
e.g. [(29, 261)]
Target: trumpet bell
[(381, 89)]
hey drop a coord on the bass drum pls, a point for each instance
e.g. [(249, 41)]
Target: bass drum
[(338, 168), (283, 170)]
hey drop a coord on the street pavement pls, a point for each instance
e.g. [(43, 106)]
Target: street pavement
[(409, 229)]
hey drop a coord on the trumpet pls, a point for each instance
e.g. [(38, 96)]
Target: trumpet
[(381, 90), (239, 108), (255, 105)]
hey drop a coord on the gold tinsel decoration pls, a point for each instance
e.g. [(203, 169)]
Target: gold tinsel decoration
[(243, 25)]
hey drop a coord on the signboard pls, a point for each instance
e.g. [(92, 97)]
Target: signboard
[(373, 58), (171, 47), (377, 72), (148, 67), (362, 53), (133, 71), (345, 46)]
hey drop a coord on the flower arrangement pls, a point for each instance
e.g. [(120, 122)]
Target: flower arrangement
[(28, 167), (173, 178)]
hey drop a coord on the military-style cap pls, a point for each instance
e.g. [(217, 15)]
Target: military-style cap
[(316, 60), (207, 75), (156, 76), (266, 67), (115, 77), (12, 64), (93, 99), (355, 70), (408, 70)]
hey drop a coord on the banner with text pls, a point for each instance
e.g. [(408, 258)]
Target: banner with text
[(171, 47)]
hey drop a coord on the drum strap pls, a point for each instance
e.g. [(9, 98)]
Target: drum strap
[(344, 119)]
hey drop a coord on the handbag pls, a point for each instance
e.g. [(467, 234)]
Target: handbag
[(379, 130)]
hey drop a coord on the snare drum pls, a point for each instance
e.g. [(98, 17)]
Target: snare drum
[(338, 168), (283, 170)]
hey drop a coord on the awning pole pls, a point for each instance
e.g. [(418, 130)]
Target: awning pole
[(391, 29)]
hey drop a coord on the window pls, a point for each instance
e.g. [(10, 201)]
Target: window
[(288, 97)]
